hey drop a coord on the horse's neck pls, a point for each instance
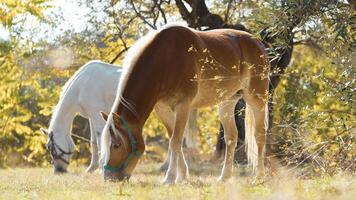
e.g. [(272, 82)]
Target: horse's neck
[(136, 102), (61, 123), (137, 116), (138, 88)]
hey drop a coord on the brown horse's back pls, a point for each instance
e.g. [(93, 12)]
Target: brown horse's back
[(205, 66), (212, 60)]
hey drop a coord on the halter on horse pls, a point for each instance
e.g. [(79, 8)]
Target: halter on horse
[(52, 147), (134, 152)]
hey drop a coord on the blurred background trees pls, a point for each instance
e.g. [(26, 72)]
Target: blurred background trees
[(311, 45)]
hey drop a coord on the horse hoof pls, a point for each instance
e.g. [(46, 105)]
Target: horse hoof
[(181, 181), (90, 169), (223, 179), (169, 180), (181, 178), (164, 167), (258, 180)]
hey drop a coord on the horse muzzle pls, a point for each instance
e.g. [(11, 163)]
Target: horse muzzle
[(59, 170), (115, 176)]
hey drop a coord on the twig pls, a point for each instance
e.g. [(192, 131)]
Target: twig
[(81, 138), (118, 55), (142, 17)]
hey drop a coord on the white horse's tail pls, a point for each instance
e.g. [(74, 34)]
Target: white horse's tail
[(250, 139)]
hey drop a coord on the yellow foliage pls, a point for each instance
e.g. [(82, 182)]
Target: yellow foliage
[(310, 102)]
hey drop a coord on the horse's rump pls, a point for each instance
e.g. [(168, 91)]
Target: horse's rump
[(208, 67)]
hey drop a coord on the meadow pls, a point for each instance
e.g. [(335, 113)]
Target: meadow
[(312, 50), (41, 183)]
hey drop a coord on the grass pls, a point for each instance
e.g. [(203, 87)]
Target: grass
[(41, 183)]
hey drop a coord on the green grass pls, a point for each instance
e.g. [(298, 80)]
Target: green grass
[(40, 183)]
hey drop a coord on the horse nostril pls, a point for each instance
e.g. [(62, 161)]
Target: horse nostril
[(108, 176), (123, 177), (59, 170)]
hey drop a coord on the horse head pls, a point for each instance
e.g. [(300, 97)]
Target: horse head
[(119, 148), (61, 148)]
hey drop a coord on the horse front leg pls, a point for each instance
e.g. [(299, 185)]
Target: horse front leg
[(94, 153), (166, 115), (178, 168), (95, 131)]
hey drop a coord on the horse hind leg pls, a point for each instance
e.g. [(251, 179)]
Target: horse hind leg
[(178, 168), (227, 119), (256, 123)]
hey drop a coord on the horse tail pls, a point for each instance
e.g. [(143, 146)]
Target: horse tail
[(250, 135), (250, 139)]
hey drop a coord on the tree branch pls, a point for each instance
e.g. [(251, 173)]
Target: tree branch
[(141, 17), (227, 13), (119, 55), (162, 12)]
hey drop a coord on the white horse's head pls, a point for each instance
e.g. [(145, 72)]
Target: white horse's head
[(61, 147)]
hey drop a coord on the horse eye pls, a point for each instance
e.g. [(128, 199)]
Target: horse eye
[(116, 146)]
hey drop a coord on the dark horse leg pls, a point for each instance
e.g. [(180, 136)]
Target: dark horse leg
[(240, 153)]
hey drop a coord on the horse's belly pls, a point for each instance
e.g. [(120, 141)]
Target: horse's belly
[(212, 92)]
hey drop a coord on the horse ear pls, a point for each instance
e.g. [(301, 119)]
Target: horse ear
[(116, 118), (104, 115), (44, 131)]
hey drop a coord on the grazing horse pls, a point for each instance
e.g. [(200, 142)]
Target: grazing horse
[(83, 94), (90, 90), (181, 69)]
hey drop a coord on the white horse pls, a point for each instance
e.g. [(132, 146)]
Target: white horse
[(89, 91)]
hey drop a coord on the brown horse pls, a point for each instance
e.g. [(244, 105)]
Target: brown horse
[(179, 69)]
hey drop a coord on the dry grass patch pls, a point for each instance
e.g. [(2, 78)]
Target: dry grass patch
[(40, 183)]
